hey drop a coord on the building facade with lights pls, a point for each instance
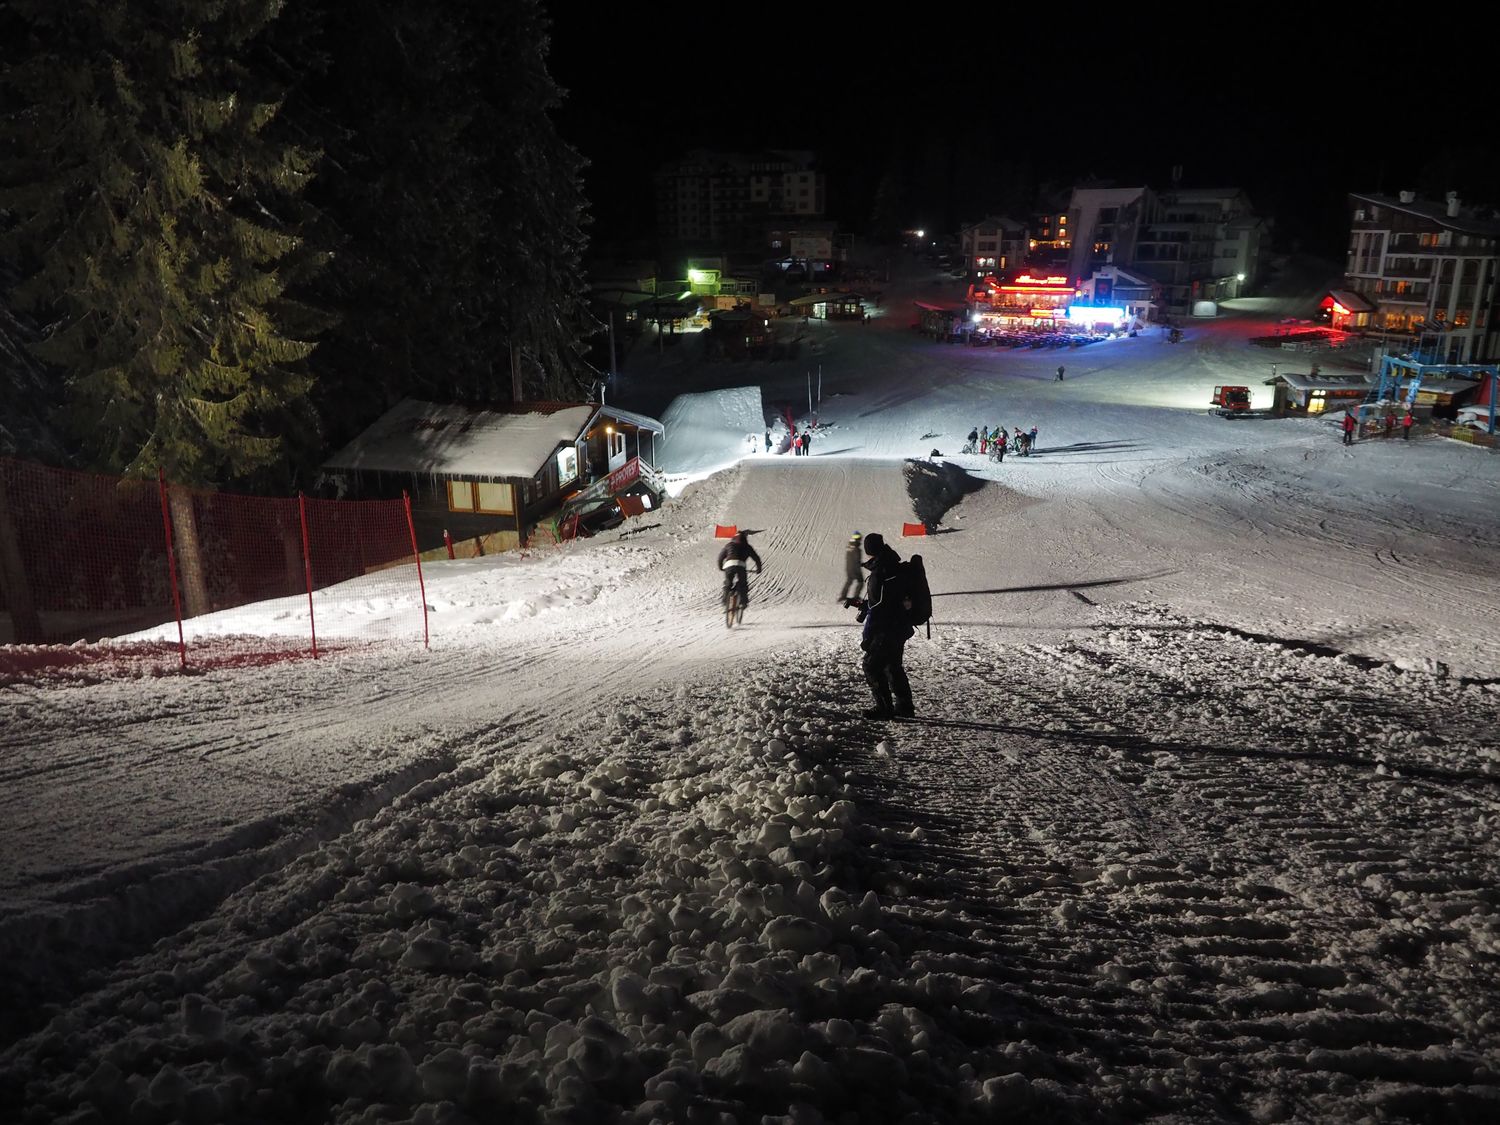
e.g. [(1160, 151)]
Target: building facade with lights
[(1024, 302), (728, 198), (1194, 244), (1422, 269), (992, 245)]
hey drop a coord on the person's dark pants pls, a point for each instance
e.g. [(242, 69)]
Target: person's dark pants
[(737, 578), (1406, 433), (1348, 437), (886, 675)]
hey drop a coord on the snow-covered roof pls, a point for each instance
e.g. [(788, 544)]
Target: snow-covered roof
[(1351, 300), (1324, 382), (452, 440), (630, 417), (821, 298)]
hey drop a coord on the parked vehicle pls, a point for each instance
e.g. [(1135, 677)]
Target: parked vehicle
[(1229, 402)]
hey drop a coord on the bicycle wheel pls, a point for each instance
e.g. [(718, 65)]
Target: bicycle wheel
[(732, 609)]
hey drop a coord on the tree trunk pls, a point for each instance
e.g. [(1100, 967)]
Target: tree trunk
[(25, 622), (190, 572)]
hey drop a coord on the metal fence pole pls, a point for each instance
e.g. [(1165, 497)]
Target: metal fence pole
[(166, 523), (416, 554), (307, 569)]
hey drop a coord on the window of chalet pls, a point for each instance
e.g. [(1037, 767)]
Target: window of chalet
[(495, 497), (488, 497), (460, 496)]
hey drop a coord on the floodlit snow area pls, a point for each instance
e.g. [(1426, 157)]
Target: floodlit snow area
[(1198, 820)]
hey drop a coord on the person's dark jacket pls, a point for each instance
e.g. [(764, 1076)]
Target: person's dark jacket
[(740, 550), (883, 610)]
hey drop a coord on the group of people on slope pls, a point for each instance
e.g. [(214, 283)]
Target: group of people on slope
[(993, 443), (869, 586), (1350, 425), (801, 442)]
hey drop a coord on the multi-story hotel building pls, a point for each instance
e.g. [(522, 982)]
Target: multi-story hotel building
[(1425, 270), (727, 198), (1195, 244)]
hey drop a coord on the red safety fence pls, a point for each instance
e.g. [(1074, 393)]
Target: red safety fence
[(191, 577)]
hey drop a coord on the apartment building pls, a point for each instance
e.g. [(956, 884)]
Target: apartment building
[(992, 245), (728, 198), (1195, 244), (1422, 269)]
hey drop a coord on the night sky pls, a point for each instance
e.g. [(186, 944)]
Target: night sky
[(1295, 111)]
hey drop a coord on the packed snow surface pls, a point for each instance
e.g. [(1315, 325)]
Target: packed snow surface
[(1198, 820)]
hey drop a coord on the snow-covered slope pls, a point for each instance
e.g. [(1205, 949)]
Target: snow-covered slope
[(1198, 822)]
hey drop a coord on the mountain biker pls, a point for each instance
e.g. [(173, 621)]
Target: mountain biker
[(732, 561)]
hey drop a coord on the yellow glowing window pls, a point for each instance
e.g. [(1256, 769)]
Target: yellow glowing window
[(495, 498), (460, 496)]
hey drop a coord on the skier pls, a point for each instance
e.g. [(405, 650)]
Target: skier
[(1348, 427), (807, 443), (796, 444)]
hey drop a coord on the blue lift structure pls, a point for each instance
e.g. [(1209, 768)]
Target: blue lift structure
[(1401, 377)]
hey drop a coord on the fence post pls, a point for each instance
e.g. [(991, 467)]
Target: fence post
[(166, 523), (416, 554), (307, 569)]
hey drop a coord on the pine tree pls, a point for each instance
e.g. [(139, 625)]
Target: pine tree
[(458, 210), (539, 231), (157, 224)]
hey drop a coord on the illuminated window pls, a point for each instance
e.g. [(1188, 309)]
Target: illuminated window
[(460, 496), (481, 496), (495, 498)]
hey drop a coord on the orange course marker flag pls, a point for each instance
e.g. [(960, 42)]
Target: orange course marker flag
[(913, 529), (725, 531)]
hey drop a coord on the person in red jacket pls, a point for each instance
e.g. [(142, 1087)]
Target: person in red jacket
[(1406, 424), (1348, 424)]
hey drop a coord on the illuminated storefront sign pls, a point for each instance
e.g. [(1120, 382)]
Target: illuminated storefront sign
[(1092, 314)]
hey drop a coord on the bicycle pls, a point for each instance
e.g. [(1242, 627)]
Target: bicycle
[(734, 609)]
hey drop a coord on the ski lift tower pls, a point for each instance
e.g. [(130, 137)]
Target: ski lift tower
[(1401, 376)]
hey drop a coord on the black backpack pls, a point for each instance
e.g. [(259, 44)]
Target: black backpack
[(916, 596)]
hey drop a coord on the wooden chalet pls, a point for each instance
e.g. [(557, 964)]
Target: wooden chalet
[(483, 479)]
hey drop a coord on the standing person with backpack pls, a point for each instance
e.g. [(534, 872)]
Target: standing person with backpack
[(1031, 440), (887, 627)]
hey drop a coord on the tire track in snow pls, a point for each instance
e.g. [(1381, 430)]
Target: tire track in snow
[(1144, 889)]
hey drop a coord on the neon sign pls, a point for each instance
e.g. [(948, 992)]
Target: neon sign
[(1090, 314)]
